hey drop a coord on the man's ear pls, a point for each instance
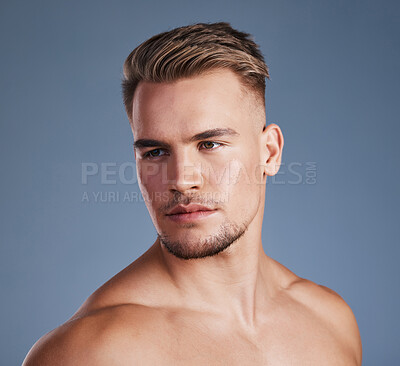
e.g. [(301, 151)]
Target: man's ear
[(272, 146)]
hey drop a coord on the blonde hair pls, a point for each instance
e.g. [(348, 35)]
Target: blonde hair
[(191, 50)]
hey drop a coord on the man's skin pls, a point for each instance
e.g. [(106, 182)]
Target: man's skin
[(238, 307)]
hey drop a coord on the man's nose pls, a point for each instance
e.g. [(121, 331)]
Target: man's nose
[(184, 172)]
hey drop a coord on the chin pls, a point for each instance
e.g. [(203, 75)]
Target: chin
[(188, 233)]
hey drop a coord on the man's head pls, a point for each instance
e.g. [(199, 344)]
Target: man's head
[(195, 100)]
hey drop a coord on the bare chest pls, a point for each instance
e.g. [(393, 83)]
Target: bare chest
[(286, 343)]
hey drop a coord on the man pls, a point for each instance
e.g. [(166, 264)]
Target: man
[(205, 293)]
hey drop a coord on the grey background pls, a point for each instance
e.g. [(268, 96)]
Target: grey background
[(334, 91)]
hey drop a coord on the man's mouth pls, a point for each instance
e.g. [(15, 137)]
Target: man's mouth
[(181, 213), (184, 209)]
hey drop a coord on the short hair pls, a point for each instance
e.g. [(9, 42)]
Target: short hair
[(191, 50)]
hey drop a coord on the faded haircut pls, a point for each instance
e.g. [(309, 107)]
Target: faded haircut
[(192, 50)]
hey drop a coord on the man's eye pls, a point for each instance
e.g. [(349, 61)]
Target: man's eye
[(208, 145), (153, 153)]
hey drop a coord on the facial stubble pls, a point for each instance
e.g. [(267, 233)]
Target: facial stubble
[(227, 234)]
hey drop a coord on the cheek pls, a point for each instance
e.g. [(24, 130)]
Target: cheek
[(150, 179), (240, 174), (241, 185)]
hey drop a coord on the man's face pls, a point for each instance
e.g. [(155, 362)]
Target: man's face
[(196, 142)]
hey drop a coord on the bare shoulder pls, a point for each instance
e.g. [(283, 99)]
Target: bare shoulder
[(331, 309), (113, 323), (97, 338)]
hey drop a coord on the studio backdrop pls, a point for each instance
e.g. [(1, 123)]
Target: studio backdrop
[(72, 214)]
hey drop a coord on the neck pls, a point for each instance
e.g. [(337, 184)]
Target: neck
[(234, 283)]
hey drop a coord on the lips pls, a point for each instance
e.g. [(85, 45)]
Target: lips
[(180, 209), (192, 213)]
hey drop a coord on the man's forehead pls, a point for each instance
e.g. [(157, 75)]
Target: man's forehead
[(202, 89), (192, 105)]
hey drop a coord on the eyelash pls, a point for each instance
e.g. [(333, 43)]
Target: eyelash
[(147, 155)]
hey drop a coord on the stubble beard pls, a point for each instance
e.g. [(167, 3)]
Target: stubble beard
[(227, 234)]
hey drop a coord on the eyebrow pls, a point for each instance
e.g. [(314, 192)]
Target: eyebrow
[(215, 132)]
